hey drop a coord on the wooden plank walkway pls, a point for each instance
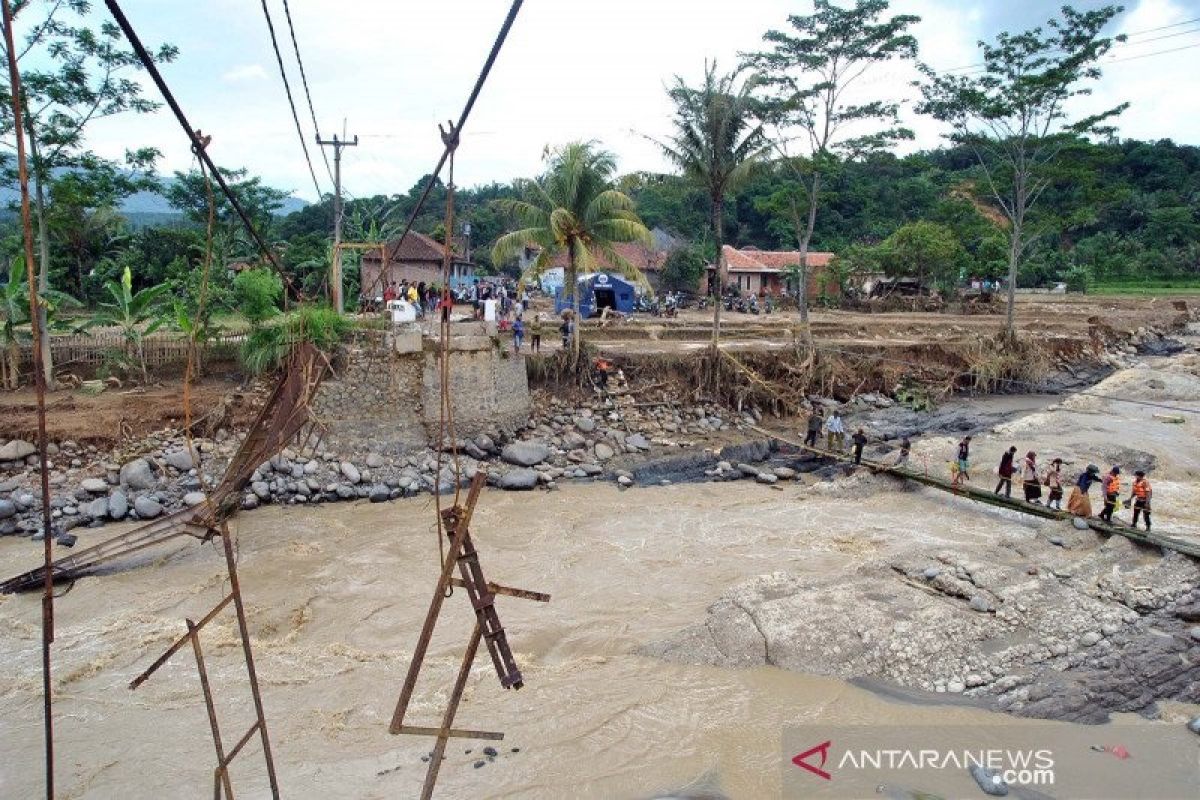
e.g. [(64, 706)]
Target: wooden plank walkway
[(1187, 548)]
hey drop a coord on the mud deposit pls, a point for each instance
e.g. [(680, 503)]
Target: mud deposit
[(657, 665)]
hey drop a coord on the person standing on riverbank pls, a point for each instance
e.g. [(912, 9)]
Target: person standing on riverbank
[(1080, 504), (1030, 480), (1054, 484), (1006, 471), (535, 333), (835, 433), (962, 462), (860, 441), (1141, 497), (1112, 494), (815, 421), (518, 329)]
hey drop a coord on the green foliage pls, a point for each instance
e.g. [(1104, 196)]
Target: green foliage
[(257, 293), (268, 345), (926, 251), (683, 269), (806, 73), (1015, 115), (136, 314), (573, 210)]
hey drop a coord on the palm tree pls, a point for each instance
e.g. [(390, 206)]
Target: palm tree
[(573, 209), (716, 144)]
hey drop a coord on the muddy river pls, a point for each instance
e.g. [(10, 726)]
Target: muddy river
[(336, 596)]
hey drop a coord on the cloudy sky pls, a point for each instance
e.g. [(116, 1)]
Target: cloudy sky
[(389, 71)]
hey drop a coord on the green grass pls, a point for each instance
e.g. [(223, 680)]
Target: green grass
[(1167, 287)]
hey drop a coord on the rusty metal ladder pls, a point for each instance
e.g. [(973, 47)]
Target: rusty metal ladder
[(482, 594)]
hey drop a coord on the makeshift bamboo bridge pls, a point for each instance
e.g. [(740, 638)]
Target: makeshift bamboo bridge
[(983, 496)]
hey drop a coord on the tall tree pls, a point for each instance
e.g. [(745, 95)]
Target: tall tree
[(1014, 116), (572, 209), (73, 74), (808, 72), (716, 143)]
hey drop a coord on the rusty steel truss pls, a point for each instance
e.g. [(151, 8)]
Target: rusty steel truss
[(482, 594), (221, 779), (286, 416)]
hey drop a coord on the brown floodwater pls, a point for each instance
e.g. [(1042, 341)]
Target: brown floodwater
[(336, 595)]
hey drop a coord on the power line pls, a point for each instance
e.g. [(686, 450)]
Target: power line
[(981, 66), (198, 144), (451, 137), (287, 11), (1156, 53), (288, 88), (1038, 388)]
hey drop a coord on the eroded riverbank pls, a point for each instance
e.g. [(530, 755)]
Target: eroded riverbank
[(622, 700)]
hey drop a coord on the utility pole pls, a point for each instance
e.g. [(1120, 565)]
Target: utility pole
[(335, 272)]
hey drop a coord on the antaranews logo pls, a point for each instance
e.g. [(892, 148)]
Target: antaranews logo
[(801, 759)]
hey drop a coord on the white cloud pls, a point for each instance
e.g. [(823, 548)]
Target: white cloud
[(245, 72), (569, 71)]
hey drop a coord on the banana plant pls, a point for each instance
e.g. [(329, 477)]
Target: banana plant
[(14, 305), (135, 314)]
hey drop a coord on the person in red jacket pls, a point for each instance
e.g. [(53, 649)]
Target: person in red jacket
[(1006, 471)]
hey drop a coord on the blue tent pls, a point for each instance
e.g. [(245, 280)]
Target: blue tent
[(597, 291)]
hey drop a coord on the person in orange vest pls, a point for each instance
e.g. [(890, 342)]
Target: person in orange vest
[(1140, 498), (1112, 492)]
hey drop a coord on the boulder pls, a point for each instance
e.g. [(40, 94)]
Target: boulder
[(261, 489), (519, 480), (181, 460), (989, 780), (16, 450), (525, 454), (1080, 523), (784, 473), (250, 501), (767, 478), (375, 461), (147, 507), (96, 509), (350, 472), (379, 493), (345, 491), (94, 485), (603, 451), (118, 505), (7, 509), (637, 441), (585, 424), (1090, 638), (138, 474), (192, 499)]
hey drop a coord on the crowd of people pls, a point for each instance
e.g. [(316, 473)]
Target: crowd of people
[(1033, 478)]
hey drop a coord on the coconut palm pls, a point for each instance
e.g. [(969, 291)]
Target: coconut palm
[(573, 209), (716, 144)]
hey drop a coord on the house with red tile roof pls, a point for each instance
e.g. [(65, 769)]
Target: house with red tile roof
[(417, 258), (755, 271)]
